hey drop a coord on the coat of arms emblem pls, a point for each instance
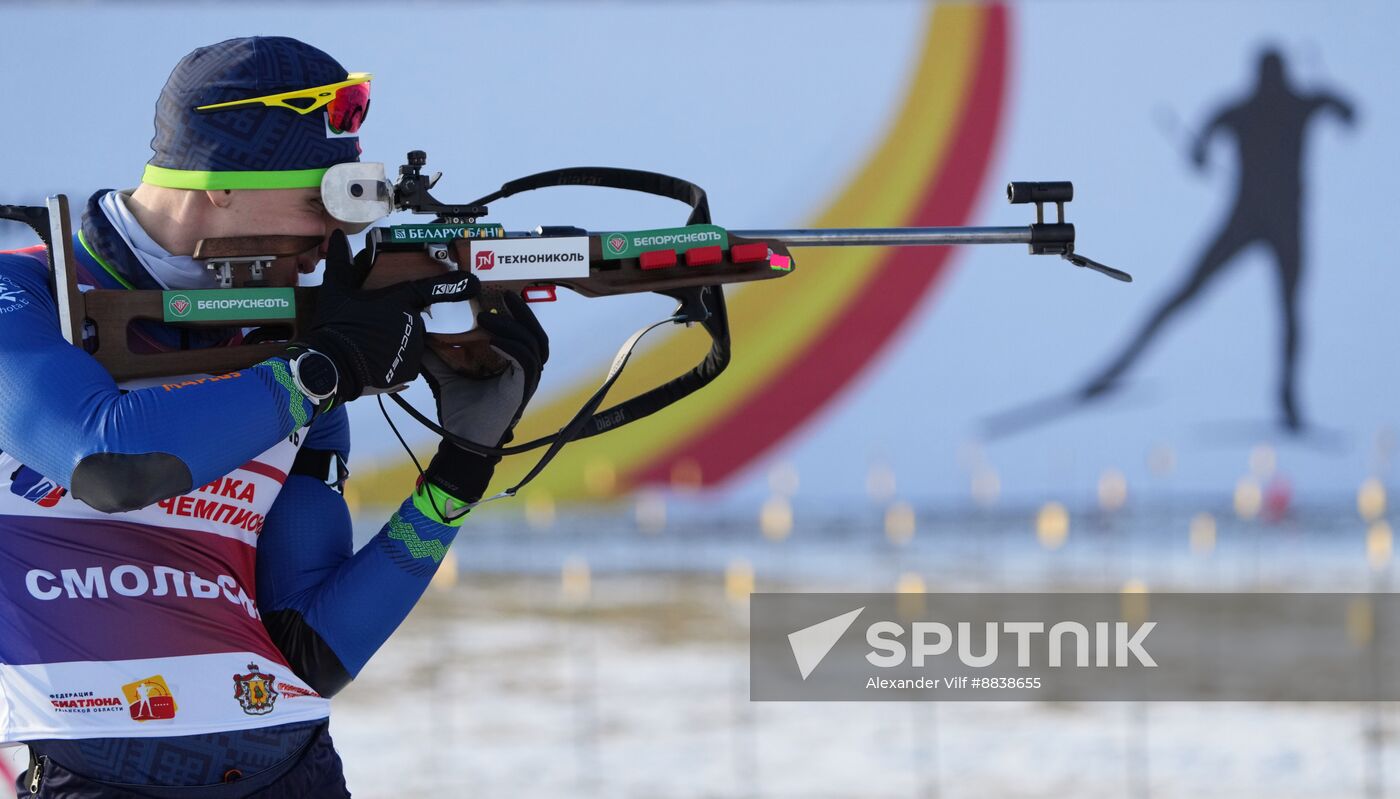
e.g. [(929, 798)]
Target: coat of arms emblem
[(255, 691)]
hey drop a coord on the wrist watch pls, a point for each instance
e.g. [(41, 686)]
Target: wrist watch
[(315, 375)]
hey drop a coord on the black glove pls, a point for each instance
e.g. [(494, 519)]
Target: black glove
[(375, 338), (485, 411)]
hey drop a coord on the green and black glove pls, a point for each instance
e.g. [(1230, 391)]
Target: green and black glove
[(374, 337), (485, 411)]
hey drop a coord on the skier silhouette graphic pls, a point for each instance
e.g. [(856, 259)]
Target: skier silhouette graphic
[(144, 707), (1268, 128)]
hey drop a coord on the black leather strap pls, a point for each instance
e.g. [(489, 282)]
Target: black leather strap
[(613, 178), (323, 464), (704, 305), (307, 652)]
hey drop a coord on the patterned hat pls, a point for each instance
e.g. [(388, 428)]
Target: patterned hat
[(245, 147)]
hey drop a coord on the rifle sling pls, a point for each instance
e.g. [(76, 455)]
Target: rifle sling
[(702, 304)]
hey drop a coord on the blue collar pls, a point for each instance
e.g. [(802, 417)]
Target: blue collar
[(106, 262), (111, 263)]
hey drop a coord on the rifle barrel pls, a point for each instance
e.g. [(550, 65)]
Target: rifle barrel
[(893, 236), (867, 236)]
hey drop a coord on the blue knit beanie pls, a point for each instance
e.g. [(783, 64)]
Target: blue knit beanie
[(245, 147)]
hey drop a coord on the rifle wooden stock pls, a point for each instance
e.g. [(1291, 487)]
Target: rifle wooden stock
[(396, 262), (467, 352), (113, 311)]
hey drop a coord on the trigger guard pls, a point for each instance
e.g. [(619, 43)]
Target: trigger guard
[(452, 335), (448, 318), (468, 354)]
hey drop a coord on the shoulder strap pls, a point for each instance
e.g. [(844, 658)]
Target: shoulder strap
[(703, 305)]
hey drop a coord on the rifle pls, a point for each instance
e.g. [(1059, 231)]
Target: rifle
[(690, 264)]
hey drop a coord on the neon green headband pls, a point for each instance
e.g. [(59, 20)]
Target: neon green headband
[(210, 181)]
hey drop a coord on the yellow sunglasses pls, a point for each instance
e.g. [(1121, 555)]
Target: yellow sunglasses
[(346, 102)]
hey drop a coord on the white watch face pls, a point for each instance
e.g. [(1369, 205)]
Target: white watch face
[(315, 375)]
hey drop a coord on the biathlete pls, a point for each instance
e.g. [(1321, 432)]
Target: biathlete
[(179, 598)]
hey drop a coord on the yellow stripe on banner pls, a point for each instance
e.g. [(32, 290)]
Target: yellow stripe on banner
[(772, 321)]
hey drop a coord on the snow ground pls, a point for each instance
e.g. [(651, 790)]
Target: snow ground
[(497, 687), (500, 685)]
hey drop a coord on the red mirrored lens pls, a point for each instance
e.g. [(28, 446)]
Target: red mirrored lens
[(347, 111)]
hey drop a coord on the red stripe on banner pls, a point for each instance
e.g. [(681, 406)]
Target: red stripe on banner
[(257, 467), (852, 340)]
